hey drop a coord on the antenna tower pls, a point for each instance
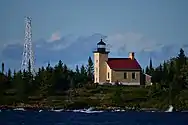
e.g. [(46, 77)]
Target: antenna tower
[(28, 55)]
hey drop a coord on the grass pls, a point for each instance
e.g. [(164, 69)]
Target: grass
[(102, 96)]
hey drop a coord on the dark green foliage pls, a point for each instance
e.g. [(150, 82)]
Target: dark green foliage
[(150, 67), (9, 75), (2, 68), (171, 76), (147, 70), (90, 69), (48, 81), (76, 88), (117, 97)]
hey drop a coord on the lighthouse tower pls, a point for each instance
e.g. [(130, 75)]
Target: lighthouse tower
[(100, 66)]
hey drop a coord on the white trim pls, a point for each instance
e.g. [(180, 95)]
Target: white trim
[(130, 83), (122, 83)]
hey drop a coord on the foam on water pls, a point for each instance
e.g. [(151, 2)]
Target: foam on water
[(19, 109), (170, 109), (33, 117), (89, 110), (57, 110)]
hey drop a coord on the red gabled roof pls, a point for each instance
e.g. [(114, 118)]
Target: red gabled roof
[(123, 64)]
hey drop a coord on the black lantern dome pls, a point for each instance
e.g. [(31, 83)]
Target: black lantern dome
[(101, 47), (101, 43)]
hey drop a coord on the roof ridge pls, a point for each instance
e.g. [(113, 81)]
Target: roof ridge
[(123, 63), (119, 58)]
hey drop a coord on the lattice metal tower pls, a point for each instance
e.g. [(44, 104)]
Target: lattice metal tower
[(28, 55)]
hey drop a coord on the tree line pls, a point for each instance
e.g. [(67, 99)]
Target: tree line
[(170, 72), (47, 81), (170, 76)]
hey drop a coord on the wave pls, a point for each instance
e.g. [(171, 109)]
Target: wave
[(19, 109), (57, 110), (89, 110)]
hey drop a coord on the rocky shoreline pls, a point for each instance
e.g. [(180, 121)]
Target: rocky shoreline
[(44, 107)]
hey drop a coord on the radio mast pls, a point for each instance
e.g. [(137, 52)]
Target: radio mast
[(28, 55)]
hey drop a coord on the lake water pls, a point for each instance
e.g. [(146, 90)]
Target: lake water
[(105, 118)]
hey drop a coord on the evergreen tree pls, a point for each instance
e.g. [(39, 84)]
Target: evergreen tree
[(181, 57), (60, 65), (65, 68), (3, 68), (181, 60), (83, 70), (160, 72), (77, 70), (45, 84), (83, 75), (9, 75), (77, 79), (48, 67), (150, 68), (90, 69), (150, 64), (180, 63), (171, 72), (184, 75), (20, 86), (165, 73), (147, 70)]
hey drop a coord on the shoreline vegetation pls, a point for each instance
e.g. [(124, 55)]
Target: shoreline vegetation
[(62, 88)]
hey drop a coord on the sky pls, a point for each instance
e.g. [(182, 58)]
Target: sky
[(69, 30)]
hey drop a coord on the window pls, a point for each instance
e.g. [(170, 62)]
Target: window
[(96, 79), (125, 75), (133, 75), (97, 61), (108, 75)]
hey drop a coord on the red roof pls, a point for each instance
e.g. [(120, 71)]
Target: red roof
[(123, 64)]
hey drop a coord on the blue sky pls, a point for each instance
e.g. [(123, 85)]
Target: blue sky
[(69, 29)]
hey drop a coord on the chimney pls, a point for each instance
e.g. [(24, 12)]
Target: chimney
[(131, 55)]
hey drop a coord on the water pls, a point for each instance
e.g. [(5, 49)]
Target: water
[(105, 118)]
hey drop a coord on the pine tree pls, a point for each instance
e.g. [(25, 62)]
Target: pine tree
[(83, 75), (150, 68), (48, 67), (3, 68), (181, 60), (77, 70), (90, 69), (60, 64), (83, 70), (180, 63), (184, 75), (160, 74), (171, 72), (147, 70), (65, 69), (150, 64), (182, 57), (20, 86), (165, 72), (9, 75)]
